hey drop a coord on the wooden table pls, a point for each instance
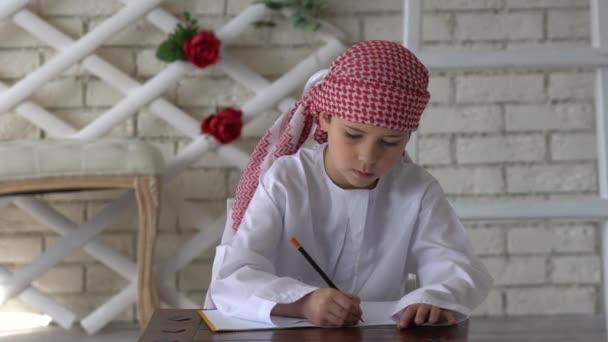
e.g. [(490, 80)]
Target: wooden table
[(175, 325)]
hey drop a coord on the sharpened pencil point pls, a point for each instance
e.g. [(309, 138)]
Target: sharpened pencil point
[(294, 242)]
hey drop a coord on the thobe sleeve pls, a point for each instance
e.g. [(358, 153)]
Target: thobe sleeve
[(449, 274), (246, 285)]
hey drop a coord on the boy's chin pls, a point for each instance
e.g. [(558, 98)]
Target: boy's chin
[(362, 184)]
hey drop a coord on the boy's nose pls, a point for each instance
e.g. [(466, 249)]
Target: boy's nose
[(369, 155)]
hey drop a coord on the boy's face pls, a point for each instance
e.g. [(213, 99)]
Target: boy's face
[(358, 154)]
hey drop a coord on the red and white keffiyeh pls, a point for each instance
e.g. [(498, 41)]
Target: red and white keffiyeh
[(375, 82)]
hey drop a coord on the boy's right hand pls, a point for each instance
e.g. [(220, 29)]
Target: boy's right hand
[(330, 307)]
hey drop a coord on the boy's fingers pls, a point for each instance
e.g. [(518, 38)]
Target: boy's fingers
[(352, 319), (341, 317), (435, 315), (407, 316), (347, 317), (449, 316), (422, 314), (348, 304), (357, 304), (338, 311), (334, 320), (354, 298)]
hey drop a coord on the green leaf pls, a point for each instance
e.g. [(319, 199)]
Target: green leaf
[(193, 24), (297, 20), (274, 5), (264, 23), (312, 26), (169, 51), (305, 13), (304, 22), (310, 4), (179, 37)]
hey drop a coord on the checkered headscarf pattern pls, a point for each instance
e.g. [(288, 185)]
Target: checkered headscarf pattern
[(375, 82)]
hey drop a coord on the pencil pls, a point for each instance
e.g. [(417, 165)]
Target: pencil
[(299, 247)]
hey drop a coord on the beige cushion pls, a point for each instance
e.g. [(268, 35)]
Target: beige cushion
[(36, 159)]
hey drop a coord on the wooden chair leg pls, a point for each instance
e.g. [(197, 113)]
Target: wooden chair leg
[(147, 190)]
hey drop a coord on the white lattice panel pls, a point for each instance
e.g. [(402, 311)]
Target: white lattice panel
[(137, 95)]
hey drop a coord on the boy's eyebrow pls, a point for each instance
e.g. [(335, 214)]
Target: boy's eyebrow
[(386, 136)]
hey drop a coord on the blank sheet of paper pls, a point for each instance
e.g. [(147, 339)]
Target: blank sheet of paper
[(374, 313)]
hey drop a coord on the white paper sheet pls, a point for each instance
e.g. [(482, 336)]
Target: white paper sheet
[(374, 313)]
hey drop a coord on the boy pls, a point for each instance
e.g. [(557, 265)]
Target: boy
[(362, 209)]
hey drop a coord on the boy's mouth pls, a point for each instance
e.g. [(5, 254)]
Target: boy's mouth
[(363, 174)]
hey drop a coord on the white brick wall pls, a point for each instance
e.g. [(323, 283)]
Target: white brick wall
[(556, 239), (492, 306), (462, 4), (434, 151), (122, 243), (141, 33), (485, 135), (571, 86), (102, 279), (222, 92), (383, 27), (461, 120), (522, 118), (437, 27), (202, 184), (551, 178), (500, 88), (440, 89), (573, 146), (16, 64), (19, 249), (471, 181), (479, 150), (20, 39), (576, 270), (546, 3), (54, 281), (521, 270), (195, 277), (79, 8), (13, 126), (271, 62), (488, 240), (551, 300), (61, 93), (365, 6), (207, 7), (513, 26), (81, 118), (15, 221), (568, 23)]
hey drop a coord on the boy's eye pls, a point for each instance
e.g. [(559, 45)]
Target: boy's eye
[(390, 143), (352, 136)]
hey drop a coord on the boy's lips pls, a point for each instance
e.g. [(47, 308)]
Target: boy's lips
[(363, 174)]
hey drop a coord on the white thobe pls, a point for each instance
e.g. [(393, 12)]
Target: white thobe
[(366, 241)]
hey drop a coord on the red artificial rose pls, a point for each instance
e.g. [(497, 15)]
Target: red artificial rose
[(203, 49), (225, 126)]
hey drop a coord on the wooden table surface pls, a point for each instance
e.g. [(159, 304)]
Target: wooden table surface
[(178, 325)]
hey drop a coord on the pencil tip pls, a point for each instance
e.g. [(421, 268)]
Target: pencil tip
[(294, 242)]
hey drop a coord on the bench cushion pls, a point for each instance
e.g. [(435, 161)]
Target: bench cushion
[(38, 159)]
